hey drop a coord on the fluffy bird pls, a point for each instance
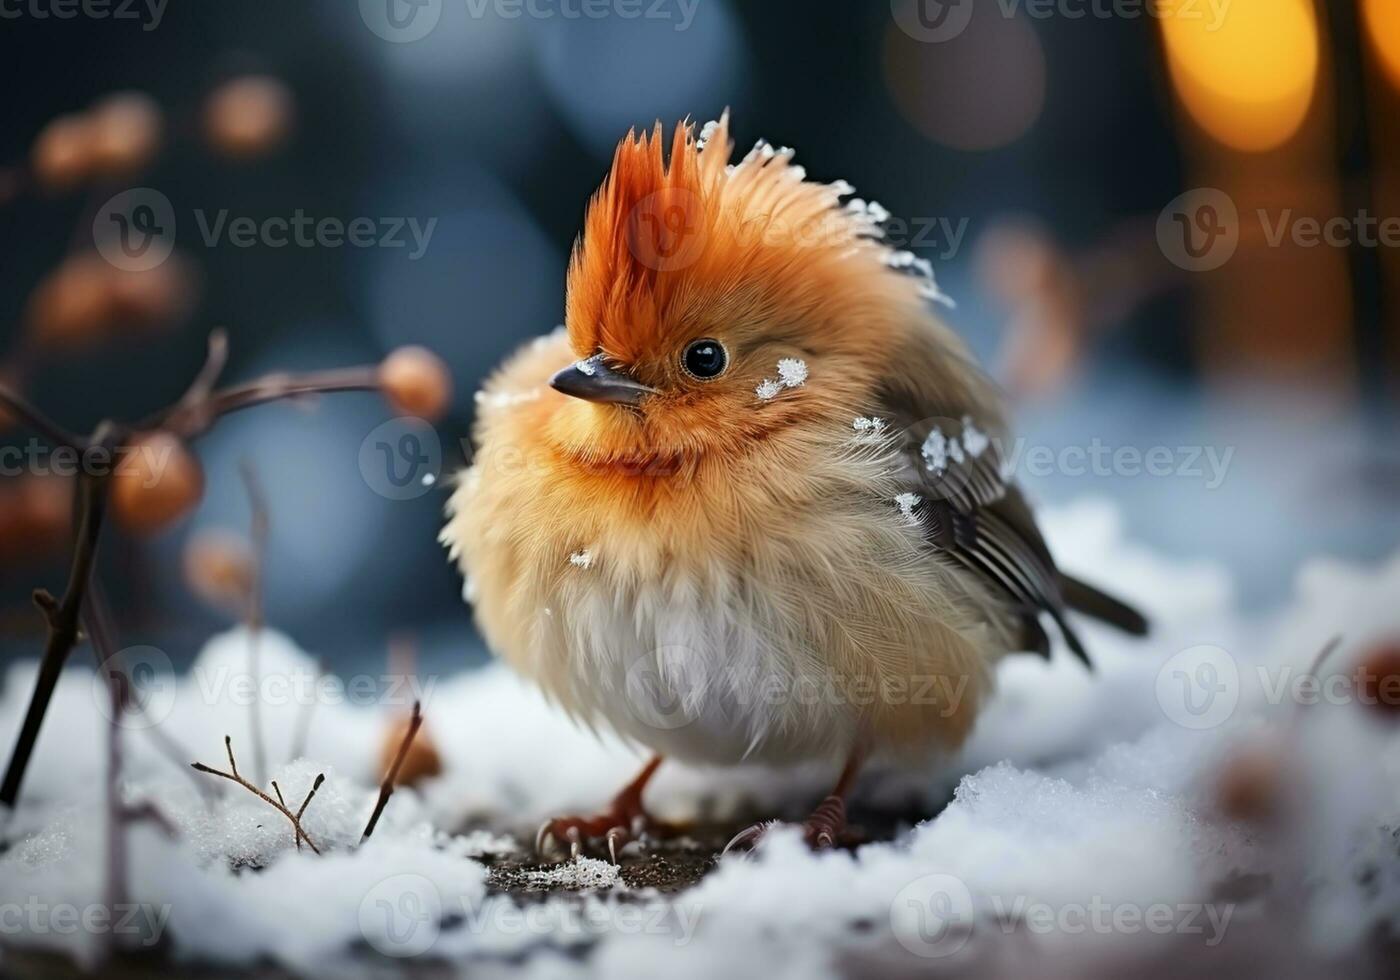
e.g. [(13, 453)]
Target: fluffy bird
[(750, 505)]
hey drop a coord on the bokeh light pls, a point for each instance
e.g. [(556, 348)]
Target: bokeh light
[(982, 90), (672, 69), (1249, 78), (1383, 25)]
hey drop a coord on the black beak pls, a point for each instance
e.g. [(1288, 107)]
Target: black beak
[(594, 381)]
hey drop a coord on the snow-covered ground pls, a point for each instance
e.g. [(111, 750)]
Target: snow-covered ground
[(1087, 825)]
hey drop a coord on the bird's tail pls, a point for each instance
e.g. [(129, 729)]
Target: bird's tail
[(1084, 598)]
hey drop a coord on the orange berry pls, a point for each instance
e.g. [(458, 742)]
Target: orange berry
[(154, 297), (416, 382), (220, 568), (63, 153), (72, 306), (1380, 680), (1249, 787), (157, 481), (126, 130), (249, 116)]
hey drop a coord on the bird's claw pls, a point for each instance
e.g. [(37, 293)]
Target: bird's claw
[(749, 836), (613, 830), (821, 830)]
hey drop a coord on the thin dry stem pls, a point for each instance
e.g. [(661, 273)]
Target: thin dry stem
[(386, 789), (194, 414), (277, 804)]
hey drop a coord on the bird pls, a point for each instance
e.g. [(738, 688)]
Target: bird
[(751, 503)]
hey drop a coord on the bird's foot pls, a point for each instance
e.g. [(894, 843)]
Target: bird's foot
[(616, 827), (823, 830)]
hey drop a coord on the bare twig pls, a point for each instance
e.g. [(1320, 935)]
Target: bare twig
[(115, 890), (194, 420), (62, 617), (386, 789), (97, 617), (257, 503), (302, 733), (278, 805), (38, 421), (194, 414)]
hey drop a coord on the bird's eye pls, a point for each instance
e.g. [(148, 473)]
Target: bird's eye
[(704, 359)]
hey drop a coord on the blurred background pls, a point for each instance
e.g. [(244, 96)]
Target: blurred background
[(1172, 230)]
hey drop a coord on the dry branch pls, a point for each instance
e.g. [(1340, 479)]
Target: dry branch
[(194, 414), (278, 804), (386, 789)]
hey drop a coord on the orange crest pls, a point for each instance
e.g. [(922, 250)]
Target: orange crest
[(669, 239)]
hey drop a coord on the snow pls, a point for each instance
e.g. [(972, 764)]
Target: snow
[(1080, 818), (906, 502), (581, 559), (768, 389), (792, 372)]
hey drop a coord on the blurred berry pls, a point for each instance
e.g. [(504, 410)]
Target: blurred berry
[(416, 382), (126, 131), (1380, 680), (157, 482), (63, 153), (248, 117), (220, 569), (1249, 786), (72, 306)]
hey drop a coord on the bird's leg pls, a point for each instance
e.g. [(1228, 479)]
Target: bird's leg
[(623, 821), (826, 824)]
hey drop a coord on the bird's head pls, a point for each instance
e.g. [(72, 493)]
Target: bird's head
[(710, 305)]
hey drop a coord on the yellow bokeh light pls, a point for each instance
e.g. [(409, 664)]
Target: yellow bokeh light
[(1383, 24), (1248, 78)]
